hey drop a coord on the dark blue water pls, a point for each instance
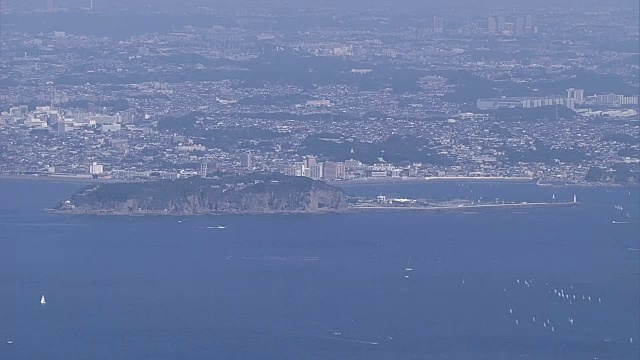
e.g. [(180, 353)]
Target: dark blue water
[(323, 286)]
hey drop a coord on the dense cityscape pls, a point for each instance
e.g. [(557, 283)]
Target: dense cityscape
[(327, 93), (313, 180)]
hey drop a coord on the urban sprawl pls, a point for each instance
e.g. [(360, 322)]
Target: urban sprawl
[(538, 93)]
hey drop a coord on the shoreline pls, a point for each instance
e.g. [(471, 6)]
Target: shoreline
[(211, 213), (347, 183), (351, 209), (462, 207), (401, 180)]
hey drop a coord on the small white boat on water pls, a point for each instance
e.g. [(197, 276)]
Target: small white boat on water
[(9, 342), (43, 300)]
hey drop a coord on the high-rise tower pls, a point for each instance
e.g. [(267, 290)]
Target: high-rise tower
[(438, 24), (492, 25)]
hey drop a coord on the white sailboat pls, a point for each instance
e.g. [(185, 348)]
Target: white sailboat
[(9, 341), (43, 300), (408, 267)]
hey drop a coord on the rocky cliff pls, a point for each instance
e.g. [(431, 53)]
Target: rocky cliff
[(255, 194)]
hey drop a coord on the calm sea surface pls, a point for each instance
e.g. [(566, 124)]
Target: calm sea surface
[(324, 286)]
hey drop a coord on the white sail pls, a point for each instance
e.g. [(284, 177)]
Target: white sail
[(408, 267), (43, 300)]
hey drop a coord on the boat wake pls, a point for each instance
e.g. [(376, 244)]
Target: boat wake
[(348, 340)]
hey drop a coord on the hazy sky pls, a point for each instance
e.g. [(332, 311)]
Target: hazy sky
[(184, 4)]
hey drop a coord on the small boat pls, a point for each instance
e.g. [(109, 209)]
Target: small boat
[(43, 300), (510, 311), (408, 268), (9, 342)]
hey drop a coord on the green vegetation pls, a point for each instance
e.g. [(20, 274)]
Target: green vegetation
[(620, 174), (188, 125), (247, 193), (622, 138), (395, 149)]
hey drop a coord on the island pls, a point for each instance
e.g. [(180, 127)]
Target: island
[(254, 194), (238, 194)]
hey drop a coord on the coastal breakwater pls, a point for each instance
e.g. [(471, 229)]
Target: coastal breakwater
[(525, 205)]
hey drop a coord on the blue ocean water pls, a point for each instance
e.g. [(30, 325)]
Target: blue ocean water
[(324, 286)]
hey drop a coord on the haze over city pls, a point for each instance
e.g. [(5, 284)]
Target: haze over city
[(372, 179)]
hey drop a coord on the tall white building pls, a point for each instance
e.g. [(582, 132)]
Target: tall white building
[(95, 169), (492, 25), (203, 169), (438, 24), (245, 160), (576, 94)]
